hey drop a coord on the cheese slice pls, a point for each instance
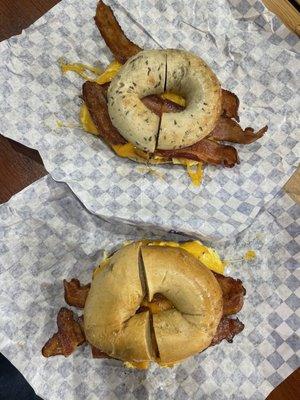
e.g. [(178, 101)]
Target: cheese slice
[(176, 98), (207, 255)]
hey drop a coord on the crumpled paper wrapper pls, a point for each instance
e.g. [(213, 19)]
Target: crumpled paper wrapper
[(47, 235), (251, 52)]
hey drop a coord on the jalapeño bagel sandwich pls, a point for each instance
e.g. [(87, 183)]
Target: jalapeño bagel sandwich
[(151, 301)]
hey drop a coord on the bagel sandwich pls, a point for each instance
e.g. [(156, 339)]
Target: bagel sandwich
[(160, 106), (151, 302)]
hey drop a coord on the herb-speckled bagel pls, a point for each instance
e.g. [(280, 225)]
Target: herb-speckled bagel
[(153, 72), (141, 75), (189, 76)]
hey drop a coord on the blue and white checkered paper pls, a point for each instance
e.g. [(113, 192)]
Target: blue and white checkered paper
[(47, 235), (252, 53)]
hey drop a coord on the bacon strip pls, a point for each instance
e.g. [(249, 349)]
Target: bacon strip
[(230, 104), (227, 329), (206, 151), (75, 293), (230, 131), (95, 101), (159, 105), (121, 47), (97, 353), (233, 294), (71, 330), (68, 337)]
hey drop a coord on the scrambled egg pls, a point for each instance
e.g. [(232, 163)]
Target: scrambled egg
[(194, 168)]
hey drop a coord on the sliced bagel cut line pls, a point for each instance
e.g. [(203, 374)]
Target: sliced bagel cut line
[(154, 344), (142, 274), (122, 334), (172, 327), (124, 97), (189, 76), (160, 117)]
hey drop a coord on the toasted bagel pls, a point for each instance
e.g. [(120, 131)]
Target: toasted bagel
[(137, 272)]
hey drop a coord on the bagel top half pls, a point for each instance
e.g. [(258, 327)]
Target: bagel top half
[(138, 271), (154, 72)]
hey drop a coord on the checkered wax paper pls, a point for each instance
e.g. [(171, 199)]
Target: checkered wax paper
[(47, 235), (252, 53)]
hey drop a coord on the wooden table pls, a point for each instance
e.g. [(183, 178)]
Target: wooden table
[(20, 166)]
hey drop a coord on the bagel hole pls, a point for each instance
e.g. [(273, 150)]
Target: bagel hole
[(158, 304), (155, 348), (164, 103)]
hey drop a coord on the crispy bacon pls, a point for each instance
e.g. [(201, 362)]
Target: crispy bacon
[(95, 101), (70, 333), (97, 353), (227, 329), (206, 151), (68, 337), (75, 293), (233, 294), (121, 47), (230, 104), (229, 130), (159, 105)]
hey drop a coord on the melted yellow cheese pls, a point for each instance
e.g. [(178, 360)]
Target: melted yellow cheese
[(80, 69), (194, 169), (208, 256), (86, 121), (128, 150), (249, 255), (176, 98), (109, 73), (156, 306), (101, 76), (196, 174), (137, 365)]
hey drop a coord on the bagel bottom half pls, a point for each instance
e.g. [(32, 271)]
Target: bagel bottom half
[(117, 322)]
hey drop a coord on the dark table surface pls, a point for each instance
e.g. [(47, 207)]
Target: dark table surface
[(20, 166)]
